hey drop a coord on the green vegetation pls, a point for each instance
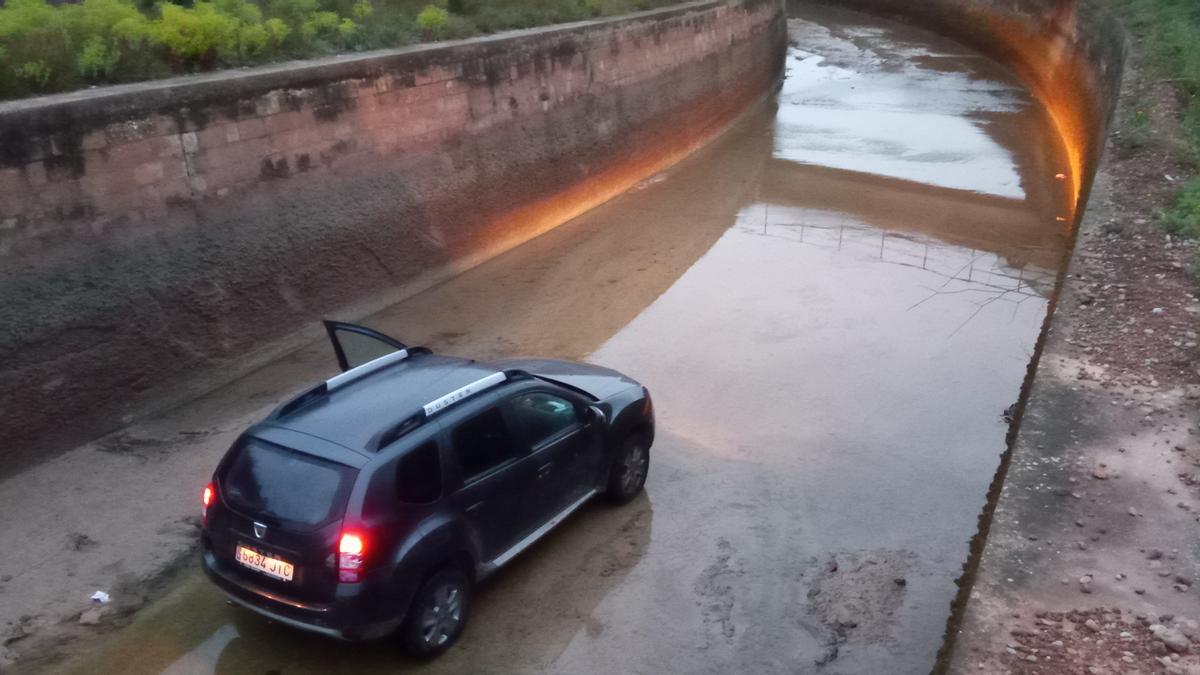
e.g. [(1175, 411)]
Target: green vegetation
[(1184, 217), (48, 48), (1170, 33), (1134, 126)]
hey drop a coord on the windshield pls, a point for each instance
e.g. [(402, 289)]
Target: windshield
[(286, 485)]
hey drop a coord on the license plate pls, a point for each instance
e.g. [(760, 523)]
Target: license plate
[(272, 567)]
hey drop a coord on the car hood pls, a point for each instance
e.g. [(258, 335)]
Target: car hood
[(596, 380)]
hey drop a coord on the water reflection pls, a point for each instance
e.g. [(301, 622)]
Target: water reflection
[(832, 304)]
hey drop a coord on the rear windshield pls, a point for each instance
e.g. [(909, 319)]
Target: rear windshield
[(286, 485)]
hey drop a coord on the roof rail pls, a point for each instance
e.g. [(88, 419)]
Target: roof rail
[(342, 379), (441, 403), (360, 371), (300, 400)]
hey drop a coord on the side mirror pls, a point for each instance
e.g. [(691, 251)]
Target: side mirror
[(595, 414)]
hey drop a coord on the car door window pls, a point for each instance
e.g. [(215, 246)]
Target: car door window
[(543, 415), (483, 443), (355, 345), (419, 475)]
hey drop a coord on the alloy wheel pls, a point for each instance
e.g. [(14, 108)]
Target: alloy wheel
[(442, 616)]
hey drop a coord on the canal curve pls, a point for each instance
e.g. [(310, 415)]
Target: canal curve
[(833, 304)]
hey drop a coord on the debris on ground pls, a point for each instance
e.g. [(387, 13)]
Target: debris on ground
[(1102, 642)]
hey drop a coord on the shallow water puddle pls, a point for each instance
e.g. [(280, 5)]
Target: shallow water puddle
[(833, 305)]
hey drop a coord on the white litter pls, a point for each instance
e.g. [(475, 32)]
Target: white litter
[(100, 597)]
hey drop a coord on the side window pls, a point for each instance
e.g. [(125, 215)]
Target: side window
[(544, 415), (419, 475), (360, 349), (483, 442)]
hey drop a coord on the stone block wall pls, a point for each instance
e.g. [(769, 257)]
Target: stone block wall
[(153, 232)]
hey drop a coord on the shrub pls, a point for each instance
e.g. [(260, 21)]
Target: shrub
[(54, 47), (433, 22), (35, 74), (196, 38), (37, 39), (97, 60), (1183, 218), (362, 10), (388, 27)]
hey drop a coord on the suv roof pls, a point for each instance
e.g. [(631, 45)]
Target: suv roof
[(360, 413)]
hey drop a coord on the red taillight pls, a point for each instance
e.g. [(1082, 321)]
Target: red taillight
[(351, 544), (350, 558), (206, 499)]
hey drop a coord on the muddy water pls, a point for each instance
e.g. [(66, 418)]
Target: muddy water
[(833, 305)]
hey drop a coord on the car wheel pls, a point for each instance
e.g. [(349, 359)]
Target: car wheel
[(630, 466), (438, 614)]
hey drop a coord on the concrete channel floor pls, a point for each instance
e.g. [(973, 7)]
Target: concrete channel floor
[(832, 304)]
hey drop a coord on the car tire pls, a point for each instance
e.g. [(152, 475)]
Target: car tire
[(630, 466), (438, 614)]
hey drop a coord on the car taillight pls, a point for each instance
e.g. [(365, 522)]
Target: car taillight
[(350, 558), (206, 498)]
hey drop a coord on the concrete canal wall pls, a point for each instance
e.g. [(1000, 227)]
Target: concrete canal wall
[(1069, 53), (149, 232)]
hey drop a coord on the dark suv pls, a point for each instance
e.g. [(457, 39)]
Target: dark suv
[(372, 502)]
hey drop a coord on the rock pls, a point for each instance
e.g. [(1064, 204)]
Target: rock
[(1154, 554), (1139, 591), (77, 541), (1174, 639), (1091, 625), (1100, 473), (1182, 588), (92, 616), (1133, 511)]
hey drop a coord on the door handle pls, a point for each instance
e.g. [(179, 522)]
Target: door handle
[(474, 506)]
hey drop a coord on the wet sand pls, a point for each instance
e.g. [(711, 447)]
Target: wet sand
[(832, 304)]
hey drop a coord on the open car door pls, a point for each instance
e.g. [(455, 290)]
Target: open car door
[(356, 345)]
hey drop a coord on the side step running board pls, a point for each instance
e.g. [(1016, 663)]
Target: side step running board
[(487, 568)]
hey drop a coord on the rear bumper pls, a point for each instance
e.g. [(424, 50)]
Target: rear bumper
[(342, 619)]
